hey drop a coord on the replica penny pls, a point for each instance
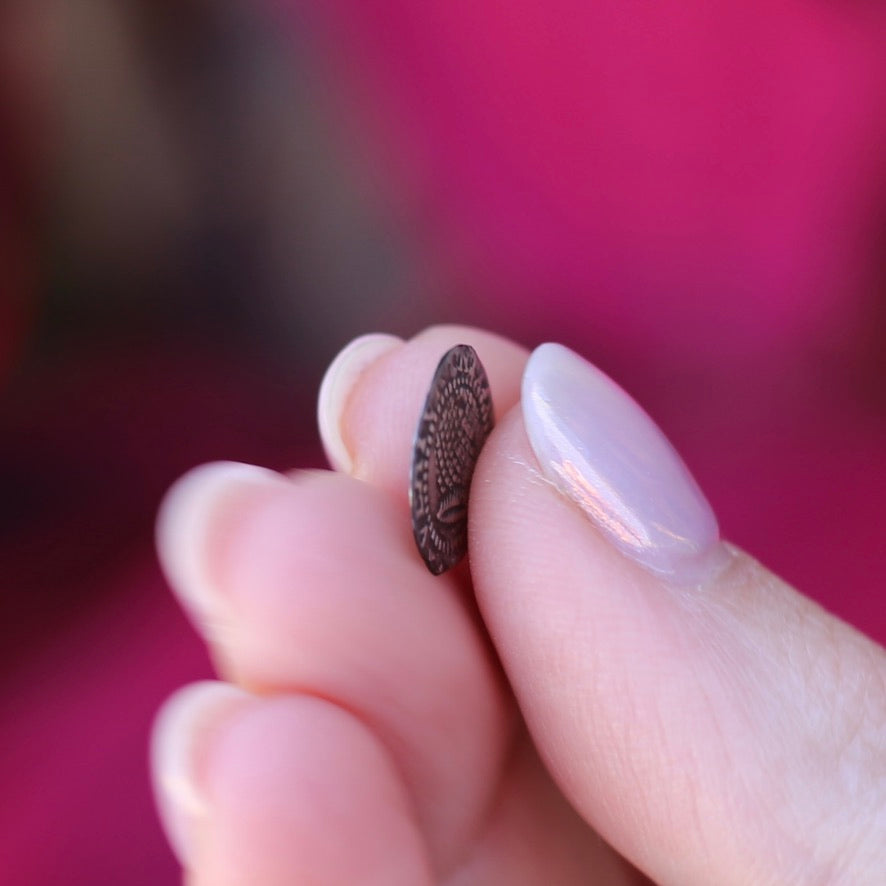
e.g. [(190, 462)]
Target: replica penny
[(454, 425)]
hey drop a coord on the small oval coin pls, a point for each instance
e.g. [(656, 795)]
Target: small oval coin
[(454, 425)]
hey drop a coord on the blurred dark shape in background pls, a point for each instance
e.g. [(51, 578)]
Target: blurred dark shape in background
[(206, 189), (200, 202)]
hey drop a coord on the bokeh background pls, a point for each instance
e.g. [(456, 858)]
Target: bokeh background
[(200, 202)]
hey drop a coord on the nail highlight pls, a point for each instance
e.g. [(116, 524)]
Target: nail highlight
[(606, 454)]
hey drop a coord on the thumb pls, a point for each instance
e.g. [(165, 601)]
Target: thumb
[(710, 722)]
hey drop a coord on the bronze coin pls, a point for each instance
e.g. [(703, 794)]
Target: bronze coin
[(454, 425)]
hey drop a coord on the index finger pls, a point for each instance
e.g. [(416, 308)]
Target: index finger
[(375, 420)]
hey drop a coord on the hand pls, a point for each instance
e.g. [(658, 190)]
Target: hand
[(607, 668)]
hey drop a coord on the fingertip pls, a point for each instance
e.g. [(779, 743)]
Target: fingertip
[(381, 417), (185, 522), (183, 729), (336, 388)]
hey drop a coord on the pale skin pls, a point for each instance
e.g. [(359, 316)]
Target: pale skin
[(550, 713)]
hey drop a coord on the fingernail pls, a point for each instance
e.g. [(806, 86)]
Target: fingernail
[(183, 732), (192, 510), (606, 454), (336, 387)]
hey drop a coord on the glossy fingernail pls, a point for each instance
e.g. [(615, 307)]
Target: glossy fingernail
[(606, 454), (193, 507), (336, 387), (183, 733)]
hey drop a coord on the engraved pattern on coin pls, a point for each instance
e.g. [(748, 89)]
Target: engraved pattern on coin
[(454, 425)]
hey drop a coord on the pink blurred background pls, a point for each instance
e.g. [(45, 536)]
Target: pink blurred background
[(201, 202)]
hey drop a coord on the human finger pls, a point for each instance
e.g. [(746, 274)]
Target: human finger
[(713, 724), (373, 393), (292, 789), (312, 585)]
